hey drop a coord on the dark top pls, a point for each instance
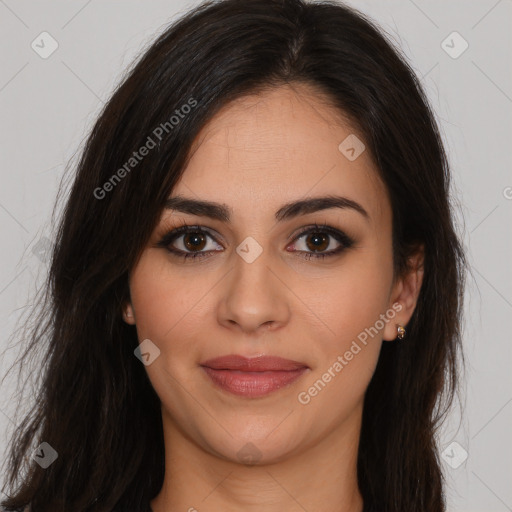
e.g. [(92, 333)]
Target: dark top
[(365, 509)]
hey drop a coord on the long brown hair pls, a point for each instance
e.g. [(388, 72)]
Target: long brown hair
[(95, 404)]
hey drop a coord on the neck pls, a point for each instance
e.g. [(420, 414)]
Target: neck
[(321, 477)]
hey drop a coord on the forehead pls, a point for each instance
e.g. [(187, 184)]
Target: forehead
[(279, 146)]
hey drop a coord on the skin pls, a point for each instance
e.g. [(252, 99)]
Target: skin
[(256, 154)]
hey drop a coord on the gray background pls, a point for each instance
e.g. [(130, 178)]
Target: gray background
[(47, 106)]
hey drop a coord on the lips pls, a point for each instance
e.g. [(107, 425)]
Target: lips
[(253, 377), (253, 364)]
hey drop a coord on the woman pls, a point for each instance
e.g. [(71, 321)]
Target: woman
[(254, 302)]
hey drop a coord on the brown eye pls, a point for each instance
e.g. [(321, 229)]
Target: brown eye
[(317, 241), (321, 241), (194, 241), (189, 242)]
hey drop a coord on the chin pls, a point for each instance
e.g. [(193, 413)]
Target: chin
[(255, 450)]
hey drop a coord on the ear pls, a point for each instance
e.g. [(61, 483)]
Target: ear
[(129, 314), (405, 293)]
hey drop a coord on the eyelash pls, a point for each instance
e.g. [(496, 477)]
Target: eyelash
[(339, 236)]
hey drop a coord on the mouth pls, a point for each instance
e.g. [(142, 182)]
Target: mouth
[(253, 377)]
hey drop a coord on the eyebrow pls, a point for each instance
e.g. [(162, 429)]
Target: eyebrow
[(222, 212)]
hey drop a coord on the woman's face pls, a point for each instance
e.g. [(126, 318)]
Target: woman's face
[(257, 289)]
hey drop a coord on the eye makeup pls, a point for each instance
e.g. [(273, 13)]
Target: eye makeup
[(197, 235)]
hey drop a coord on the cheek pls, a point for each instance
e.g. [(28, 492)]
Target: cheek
[(351, 299), (170, 305), (350, 308)]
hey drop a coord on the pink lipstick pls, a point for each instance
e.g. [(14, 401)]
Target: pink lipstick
[(253, 377)]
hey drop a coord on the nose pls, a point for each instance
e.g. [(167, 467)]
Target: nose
[(253, 298)]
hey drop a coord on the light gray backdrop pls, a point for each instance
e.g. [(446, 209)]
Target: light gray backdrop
[(49, 96)]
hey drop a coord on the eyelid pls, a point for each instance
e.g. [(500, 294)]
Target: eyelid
[(171, 233), (310, 227)]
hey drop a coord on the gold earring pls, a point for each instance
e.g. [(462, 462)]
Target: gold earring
[(401, 332)]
